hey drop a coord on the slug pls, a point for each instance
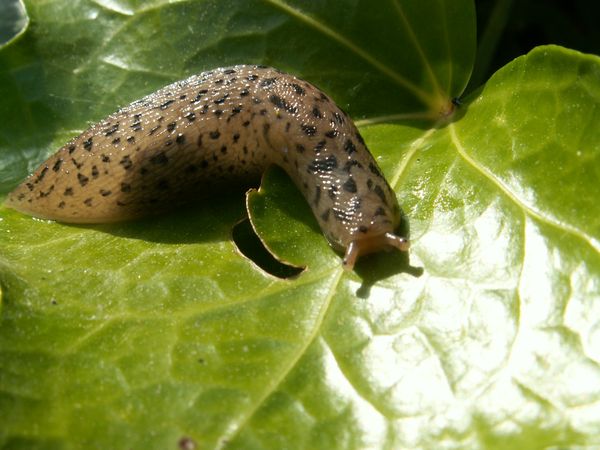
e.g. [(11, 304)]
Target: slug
[(210, 130)]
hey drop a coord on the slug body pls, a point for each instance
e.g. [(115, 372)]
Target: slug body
[(212, 129)]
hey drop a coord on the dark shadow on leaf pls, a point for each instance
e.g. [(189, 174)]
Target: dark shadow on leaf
[(250, 245), (206, 219), (376, 267)]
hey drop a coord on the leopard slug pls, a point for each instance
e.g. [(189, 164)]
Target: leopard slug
[(211, 130)]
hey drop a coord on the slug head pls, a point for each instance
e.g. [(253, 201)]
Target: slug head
[(372, 243)]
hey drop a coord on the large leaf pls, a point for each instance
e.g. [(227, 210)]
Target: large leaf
[(155, 333)]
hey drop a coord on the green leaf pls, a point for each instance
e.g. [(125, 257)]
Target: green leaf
[(159, 333)]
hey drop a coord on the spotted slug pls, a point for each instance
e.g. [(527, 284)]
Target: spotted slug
[(211, 130)]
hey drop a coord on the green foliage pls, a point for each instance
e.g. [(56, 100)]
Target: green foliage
[(142, 334)]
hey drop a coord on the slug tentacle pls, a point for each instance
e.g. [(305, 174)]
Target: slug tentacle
[(208, 131)]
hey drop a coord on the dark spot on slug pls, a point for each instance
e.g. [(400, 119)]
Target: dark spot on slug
[(220, 101), (87, 144), (309, 130), (111, 130), (171, 127), (363, 229), (46, 193), (374, 169), (236, 137), (57, 164), (159, 159), (350, 164), (191, 116), (267, 82), (126, 162), (317, 113), (317, 195), (244, 93), (131, 139), (350, 185), (105, 193), (41, 175), (166, 104), (68, 191), (71, 149), (88, 201), (319, 147), (83, 180), (282, 104), (125, 187), (95, 172), (180, 139), (214, 134), (379, 191), (332, 133), (325, 215), (298, 89), (349, 147), (199, 95), (326, 164), (379, 212), (116, 140)]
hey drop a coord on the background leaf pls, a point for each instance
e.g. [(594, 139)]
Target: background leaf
[(140, 335)]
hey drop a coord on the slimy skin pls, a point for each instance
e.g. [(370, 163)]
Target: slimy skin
[(208, 131)]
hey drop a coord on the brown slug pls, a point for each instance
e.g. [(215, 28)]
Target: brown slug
[(215, 128)]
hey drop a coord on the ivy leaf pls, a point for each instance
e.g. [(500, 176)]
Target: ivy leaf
[(158, 333)]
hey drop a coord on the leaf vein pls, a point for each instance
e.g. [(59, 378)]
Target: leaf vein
[(424, 96), (234, 429), (506, 190)]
